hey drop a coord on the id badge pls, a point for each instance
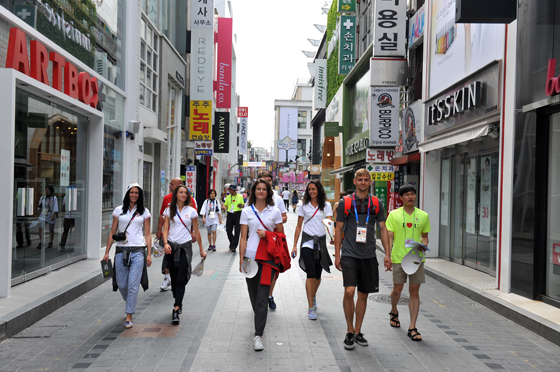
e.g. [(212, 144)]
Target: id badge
[(212, 214), (361, 234), (231, 209)]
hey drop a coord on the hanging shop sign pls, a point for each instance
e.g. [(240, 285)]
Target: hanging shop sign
[(202, 56), (381, 156), (347, 44), (203, 148), (223, 65), (474, 99), (416, 28), (242, 112), (331, 129), (388, 72), (381, 168), (411, 124), (190, 177), (389, 21), (384, 127), (243, 128), (320, 88), (80, 86), (346, 6), (200, 120), (221, 133)]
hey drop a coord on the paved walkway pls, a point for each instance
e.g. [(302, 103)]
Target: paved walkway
[(217, 327)]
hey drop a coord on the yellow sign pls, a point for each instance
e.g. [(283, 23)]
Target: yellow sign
[(382, 176), (345, 7), (200, 121)]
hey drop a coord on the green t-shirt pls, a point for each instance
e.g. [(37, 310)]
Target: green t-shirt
[(232, 203), (405, 226)]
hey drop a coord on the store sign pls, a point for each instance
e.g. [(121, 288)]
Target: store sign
[(80, 86), (202, 54), (203, 148), (384, 130), (355, 146), (389, 21), (347, 44), (254, 164), (190, 177), (382, 176), (411, 124), (474, 99), (346, 6), (552, 83), (223, 66), (200, 120), (381, 168), (320, 88), (243, 128), (221, 133), (416, 28), (331, 129), (388, 72), (381, 156), (66, 28), (242, 112)]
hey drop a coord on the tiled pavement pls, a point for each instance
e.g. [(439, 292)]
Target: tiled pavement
[(217, 325)]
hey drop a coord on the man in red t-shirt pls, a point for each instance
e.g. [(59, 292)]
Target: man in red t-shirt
[(165, 203)]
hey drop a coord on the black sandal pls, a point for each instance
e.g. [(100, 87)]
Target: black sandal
[(413, 337), (394, 319)]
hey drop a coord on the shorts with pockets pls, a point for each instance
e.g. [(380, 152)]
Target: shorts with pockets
[(362, 273), (399, 276)]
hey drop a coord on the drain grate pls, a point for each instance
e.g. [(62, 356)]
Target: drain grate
[(39, 332)]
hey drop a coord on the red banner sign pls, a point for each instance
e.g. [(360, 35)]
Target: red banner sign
[(223, 68), (243, 112)]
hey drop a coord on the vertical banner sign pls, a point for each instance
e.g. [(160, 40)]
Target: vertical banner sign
[(385, 102), (320, 96), (202, 50), (223, 68), (411, 124), (346, 6), (381, 192), (288, 128), (221, 133), (389, 20), (64, 168), (200, 120), (346, 44), (243, 127), (190, 177), (485, 195), (242, 112)]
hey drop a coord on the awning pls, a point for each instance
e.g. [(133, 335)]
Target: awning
[(406, 159), (462, 135), (347, 168)]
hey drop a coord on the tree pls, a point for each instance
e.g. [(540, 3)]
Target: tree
[(249, 144)]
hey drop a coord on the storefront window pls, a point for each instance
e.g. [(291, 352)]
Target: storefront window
[(50, 175), (359, 100), (553, 242)]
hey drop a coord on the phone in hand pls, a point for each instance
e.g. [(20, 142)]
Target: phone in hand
[(294, 254)]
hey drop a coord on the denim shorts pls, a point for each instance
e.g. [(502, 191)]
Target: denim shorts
[(211, 228)]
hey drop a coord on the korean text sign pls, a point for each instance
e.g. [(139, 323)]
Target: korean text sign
[(384, 129), (347, 44), (390, 28), (201, 120)]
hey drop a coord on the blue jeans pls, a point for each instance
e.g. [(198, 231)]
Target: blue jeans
[(128, 278)]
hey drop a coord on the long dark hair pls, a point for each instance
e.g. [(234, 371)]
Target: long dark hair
[(139, 203), (253, 198), (321, 195), (173, 205)]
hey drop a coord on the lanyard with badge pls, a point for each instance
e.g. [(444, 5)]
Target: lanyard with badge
[(232, 203), (361, 232), (256, 214)]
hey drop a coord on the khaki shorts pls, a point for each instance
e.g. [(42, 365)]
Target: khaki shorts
[(399, 276)]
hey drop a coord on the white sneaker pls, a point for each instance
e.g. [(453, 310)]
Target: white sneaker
[(258, 343), (166, 285)]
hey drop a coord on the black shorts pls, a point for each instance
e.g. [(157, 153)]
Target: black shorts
[(360, 272), (313, 267)]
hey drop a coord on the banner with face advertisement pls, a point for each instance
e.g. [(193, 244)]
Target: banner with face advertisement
[(411, 124), (384, 129)]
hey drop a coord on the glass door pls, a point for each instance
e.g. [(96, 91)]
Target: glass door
[(444, 225), (457, 210)]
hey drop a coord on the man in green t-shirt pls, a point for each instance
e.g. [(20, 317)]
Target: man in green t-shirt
[(233, 205), (407, 222)]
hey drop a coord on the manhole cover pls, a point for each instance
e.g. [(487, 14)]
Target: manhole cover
[(39, 332), (386, 299)]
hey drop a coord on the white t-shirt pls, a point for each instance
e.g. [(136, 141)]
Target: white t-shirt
[(134, 232), (177, 231), (270, 216), (206, 211), (49, 206), (314, 226), (278, 203), (286, 195)]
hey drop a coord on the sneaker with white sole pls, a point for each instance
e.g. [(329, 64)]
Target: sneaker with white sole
[(360, 339), (311, 314), (166, 285), (128, 324), (349, 341), (258, 345)]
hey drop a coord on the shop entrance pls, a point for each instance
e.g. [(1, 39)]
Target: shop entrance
[(468, 214)]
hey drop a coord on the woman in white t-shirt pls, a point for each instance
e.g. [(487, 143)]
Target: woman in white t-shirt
[(260, 216), (179, 227), (314, 255), (131, 260), (210, 212)]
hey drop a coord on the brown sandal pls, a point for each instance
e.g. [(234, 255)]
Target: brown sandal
[(414, 337), (395, 320)]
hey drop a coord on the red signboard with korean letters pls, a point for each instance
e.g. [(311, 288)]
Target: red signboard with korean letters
[(383, 156)]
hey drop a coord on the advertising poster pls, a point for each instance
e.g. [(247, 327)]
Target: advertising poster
[(190, 177), (288, 128), (385, 104), (458, 50), (411, 123), (485, 195), (64, 168), (445, 192), (471, 195)]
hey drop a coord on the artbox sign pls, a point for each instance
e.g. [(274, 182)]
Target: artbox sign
[(80, 86), (202, 44), (385, 104), (221, 133), (223, 83), (320, 89), (389, 21)]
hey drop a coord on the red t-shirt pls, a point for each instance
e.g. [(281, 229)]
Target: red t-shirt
[(167, 200)]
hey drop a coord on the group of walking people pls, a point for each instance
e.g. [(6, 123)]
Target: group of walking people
[(263, 250)]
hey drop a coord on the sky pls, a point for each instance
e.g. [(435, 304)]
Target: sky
[(270, 38)]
